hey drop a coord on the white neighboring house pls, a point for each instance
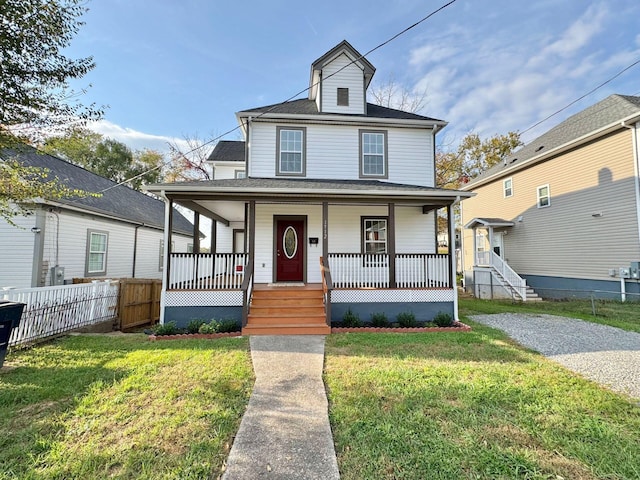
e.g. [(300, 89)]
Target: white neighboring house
[(338, 205), (116, 235)]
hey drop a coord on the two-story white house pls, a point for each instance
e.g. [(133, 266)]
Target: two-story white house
[(331, 207)]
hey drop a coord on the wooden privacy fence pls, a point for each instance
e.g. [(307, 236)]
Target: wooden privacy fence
[(138, 301)]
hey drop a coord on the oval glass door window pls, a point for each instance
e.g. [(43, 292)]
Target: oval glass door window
[(290, 242)]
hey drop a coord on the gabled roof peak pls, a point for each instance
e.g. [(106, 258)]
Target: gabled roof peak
[(346, 48)]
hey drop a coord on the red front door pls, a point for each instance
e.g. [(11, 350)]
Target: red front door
[(289, 250)]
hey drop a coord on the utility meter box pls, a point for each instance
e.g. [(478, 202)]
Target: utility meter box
[(634, 270), (57, 276), (624, 272)]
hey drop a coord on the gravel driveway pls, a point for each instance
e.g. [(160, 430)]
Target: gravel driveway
[(607, 355)]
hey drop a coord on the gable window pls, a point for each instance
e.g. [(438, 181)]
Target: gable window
[(544, 196), (343, 96), (291, 147), (374, 235), (373, 154), (239, 174), (508, 187), (96, 258)]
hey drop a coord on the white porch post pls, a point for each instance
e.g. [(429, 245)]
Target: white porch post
[(452, 259), (168, 221), (475, 247)]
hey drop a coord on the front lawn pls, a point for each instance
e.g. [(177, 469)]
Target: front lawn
[(95, 407), (607, 312), (471, 406)]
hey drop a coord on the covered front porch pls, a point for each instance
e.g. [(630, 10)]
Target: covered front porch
[(367, 250)]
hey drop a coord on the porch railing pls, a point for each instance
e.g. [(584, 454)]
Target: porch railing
[(510, 276), (207, 271), (412, 270), (247, 291), (327, 286)]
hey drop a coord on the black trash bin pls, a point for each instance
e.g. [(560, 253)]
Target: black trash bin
[(10, 313)]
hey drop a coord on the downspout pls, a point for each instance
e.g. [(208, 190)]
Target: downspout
[(452, 256), (635, 139), (135, 249)]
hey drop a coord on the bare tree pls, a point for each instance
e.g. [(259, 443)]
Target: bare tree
[(189, 162), (391, 94)]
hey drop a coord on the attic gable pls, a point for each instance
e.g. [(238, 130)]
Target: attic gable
[(339, 80)]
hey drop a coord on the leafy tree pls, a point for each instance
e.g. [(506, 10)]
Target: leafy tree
[(34, 92), (107, 157), (34, 73), (190, 163), (472, 157)]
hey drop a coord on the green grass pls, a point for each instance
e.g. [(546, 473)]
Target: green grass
[(608, 312), (96, 407), (471, 406)]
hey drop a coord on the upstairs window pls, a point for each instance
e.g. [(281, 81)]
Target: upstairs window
[(373, 154), (343, 97), (544, 196), (291, 151), (239, 174), (508, 187), (96, 260)]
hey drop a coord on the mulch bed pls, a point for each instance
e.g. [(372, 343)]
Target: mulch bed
[(458, 327), (184, 336)]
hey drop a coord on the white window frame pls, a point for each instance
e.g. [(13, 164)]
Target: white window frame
[(239, 174), (540, 197), (303, 149), (366, 240), (384, 154), (103, 270), (507, 190)]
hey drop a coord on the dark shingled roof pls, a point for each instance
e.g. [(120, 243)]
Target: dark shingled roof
[(613, 108), (120, 201), (248, 184), (228, 151), (305, 106)]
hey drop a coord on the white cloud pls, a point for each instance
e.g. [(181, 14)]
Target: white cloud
[(135, 139)]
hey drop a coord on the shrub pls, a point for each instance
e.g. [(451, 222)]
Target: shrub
[(407, 319), (228, 325), (351, 319), (169, 328), (443, 319), (194, 325), (207, 328), (379, 320)]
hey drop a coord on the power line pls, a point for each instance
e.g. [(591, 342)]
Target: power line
[(583, 96), (273, 107)]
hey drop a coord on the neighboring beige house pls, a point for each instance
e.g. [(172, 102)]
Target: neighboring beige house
[(562, 213)]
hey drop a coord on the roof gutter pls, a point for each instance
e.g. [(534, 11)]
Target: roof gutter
[(555, 151)]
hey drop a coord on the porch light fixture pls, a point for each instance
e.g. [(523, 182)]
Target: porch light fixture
[(35, 230)]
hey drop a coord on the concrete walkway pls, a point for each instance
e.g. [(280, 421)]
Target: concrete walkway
[(285, 432)]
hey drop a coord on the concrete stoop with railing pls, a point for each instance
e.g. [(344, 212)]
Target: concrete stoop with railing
[(502, 276)]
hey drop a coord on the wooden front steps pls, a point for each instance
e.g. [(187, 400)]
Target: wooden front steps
[(287, 311)]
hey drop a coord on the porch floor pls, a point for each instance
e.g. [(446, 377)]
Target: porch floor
[(287, 310)]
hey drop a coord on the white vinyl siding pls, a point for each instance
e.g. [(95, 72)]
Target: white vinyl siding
[(567, 240), (333, 153), (222, 171), (16, 252), (351, 77)]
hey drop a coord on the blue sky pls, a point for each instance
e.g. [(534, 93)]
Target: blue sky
[(167, 69)]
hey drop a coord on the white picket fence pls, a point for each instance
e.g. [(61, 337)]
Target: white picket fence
[(51, 311)]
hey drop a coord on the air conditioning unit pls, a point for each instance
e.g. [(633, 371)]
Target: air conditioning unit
[(57, 275)]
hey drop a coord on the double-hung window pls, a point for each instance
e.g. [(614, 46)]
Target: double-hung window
[(544, 196), (96, 260), (374, 235), (291, 147), (373, 154), (508, 187)]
